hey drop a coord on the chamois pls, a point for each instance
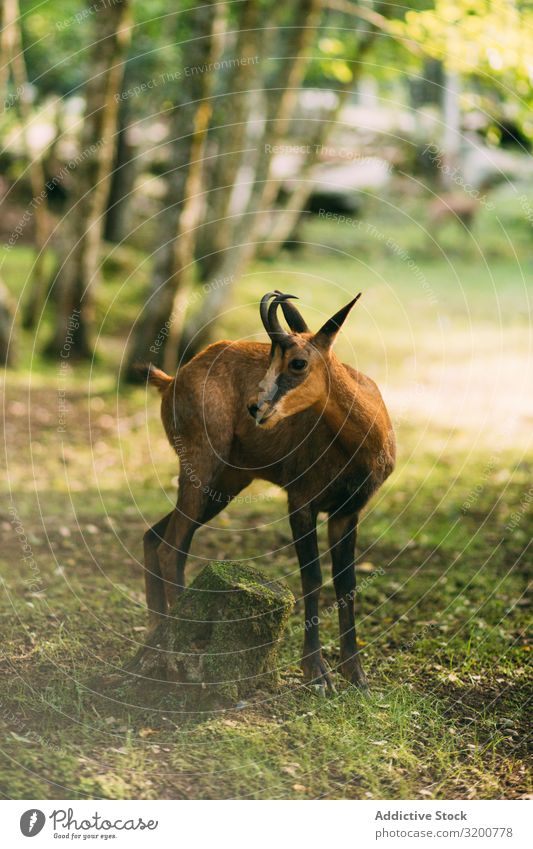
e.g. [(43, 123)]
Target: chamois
[(291, 413)]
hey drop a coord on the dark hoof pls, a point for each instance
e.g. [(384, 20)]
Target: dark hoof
[(362, 687), (352, 670), (318, 675)]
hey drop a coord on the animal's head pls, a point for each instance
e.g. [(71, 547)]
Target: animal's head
[(297, 377)]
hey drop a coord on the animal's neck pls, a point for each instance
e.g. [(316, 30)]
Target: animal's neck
[(355, 413)]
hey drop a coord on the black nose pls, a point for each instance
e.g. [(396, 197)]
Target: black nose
[(253, 409)]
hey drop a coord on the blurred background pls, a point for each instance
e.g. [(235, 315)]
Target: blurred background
[(162, 168)]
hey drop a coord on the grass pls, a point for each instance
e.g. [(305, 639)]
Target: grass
[(443, 556)]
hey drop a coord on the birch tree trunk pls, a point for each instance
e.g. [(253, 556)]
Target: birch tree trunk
[(236, 254), (7, 357), (288, 215), (230, 137), (6, 312), (13, 58), (161, 326), (81, 230), (452, 127), (124, 172), (162, 314)]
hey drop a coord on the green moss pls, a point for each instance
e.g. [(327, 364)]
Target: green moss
[(222, 637)]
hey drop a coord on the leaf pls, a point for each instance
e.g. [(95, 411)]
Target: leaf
[(20, 739)]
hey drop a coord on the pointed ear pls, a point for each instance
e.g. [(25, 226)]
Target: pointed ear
[(327, 333)]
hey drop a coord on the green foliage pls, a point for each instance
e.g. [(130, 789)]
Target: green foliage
[(57, 39), (58, 36), (490, 40)]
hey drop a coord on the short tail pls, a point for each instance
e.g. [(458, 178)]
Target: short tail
[(154, 375)]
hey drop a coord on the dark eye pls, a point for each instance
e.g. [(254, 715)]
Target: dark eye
[(298, 365)]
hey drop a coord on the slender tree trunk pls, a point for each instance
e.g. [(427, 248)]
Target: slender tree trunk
[(427, 88), (82, 224), (281, 97), (13, 57), (229, 136), (240, 242), (161, 316), (452, 127), (6, 324), (5, 52), (185, 243), (287, 217), (6, 312), (281, 102), (124, 172)]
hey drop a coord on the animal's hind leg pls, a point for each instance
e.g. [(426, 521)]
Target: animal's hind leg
[(195, 507), (174, 547), (153, 579), (200, 463)]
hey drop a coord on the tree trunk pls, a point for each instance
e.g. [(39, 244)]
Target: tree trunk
[(161, 321), (5, 52), (452, 127), (6, 312), (281, 101), (180, 280), (179, 220), (287, 217), (232, 115), (13, 57), (281, 96), (124, 172), (220, 640), (6, 326), (427, 87), (82, 224)]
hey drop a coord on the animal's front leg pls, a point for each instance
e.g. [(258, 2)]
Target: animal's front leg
[(342, 535), (303, 524)]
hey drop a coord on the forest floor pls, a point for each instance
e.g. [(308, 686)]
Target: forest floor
[(444, 551)]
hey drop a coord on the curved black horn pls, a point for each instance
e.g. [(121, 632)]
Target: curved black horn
[(263, 309), (276, 332), (293, 317)]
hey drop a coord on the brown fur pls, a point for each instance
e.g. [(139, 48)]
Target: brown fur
[(328, 442), (155, 376)]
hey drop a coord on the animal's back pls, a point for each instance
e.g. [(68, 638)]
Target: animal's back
[(209, 393)]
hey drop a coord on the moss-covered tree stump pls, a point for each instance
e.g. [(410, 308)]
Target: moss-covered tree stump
[(220, 640)]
